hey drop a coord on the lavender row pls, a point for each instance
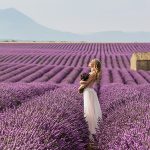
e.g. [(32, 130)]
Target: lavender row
[(126, 113), (53, 120), (14, 94), (69, 59), (88, 48)]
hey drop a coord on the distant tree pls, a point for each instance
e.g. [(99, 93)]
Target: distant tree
[(13, 41), (6, 41)]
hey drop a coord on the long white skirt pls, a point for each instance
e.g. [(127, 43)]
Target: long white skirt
[(92, 109)]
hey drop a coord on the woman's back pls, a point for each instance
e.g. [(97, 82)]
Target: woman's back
[(91, 84)]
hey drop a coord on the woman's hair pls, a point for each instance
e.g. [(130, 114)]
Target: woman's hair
[(97, 67)]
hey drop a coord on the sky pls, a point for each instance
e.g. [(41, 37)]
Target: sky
[(86, 16)]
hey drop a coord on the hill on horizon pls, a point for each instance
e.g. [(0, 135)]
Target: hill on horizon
[(17, 26)]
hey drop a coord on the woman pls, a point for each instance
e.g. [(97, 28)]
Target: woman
[(92, 110)]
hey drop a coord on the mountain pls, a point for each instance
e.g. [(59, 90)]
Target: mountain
[(119, 36), (17, 26)]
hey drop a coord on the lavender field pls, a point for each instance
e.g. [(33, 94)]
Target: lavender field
[(41, 109)]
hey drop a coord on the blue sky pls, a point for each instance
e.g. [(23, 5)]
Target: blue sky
[(85, 16)]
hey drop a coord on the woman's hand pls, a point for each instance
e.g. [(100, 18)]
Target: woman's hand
[(81, 88), (83, 82)]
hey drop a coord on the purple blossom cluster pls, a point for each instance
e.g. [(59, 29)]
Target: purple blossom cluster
[(53, 120), (126, 113), (14, 94)]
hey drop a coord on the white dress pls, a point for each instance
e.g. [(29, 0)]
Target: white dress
[(92, 109)]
